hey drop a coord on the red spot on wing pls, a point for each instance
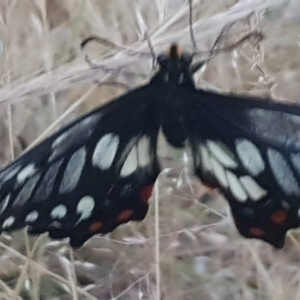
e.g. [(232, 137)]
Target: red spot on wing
[(280, 216), (125, 215), (146, 193), (95, 227), (256, 232)]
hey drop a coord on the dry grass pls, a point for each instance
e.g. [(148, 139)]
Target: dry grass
[(45, 83)]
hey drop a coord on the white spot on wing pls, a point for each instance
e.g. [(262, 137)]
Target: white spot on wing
[(219, 172), (4, 203), (73, 171), (25, 173), (9, 172), (130, 164), (205, 159), (283, 173), (253, 189), (26, 190), (8, 222), (222, 154), (55, 224), (181, 78), (139, 156), (47, 183), (236, 187), (295, 159), (275, 126), (32, 217), (143, 148), (105, 151), (250, 156), (85, 207), (58, 212), (74, 135)]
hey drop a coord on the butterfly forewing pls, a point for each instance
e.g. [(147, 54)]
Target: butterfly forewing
[(250, 150), (99, 171), (90, 177)]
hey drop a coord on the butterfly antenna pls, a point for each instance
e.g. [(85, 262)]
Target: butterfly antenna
[(105, 42), (213, 52), (223, 33), (152, 53), (144, 30), (193, 40)]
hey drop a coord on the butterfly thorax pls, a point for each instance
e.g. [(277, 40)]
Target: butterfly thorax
[(172, 80), (174, 68)]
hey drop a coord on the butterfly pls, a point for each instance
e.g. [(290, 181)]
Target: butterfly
[(99, 171)]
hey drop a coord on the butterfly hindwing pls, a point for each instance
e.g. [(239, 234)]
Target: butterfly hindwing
[(250, 150), (98, 172), (89, 177)]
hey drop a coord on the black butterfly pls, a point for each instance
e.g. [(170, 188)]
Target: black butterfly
[(98, 172)]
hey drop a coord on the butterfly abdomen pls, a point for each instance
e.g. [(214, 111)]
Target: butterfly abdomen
[(173, 120)]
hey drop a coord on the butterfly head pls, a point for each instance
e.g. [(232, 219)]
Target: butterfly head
[(175, 66)]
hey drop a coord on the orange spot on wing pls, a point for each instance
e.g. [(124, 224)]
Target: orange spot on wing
[(279, 216), (95, 227), (256, 232), (146, 193), (125, 215)]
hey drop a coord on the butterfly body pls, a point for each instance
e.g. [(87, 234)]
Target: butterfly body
[(98, 172)]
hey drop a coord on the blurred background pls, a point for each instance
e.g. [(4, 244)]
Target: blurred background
[(46, 83)]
